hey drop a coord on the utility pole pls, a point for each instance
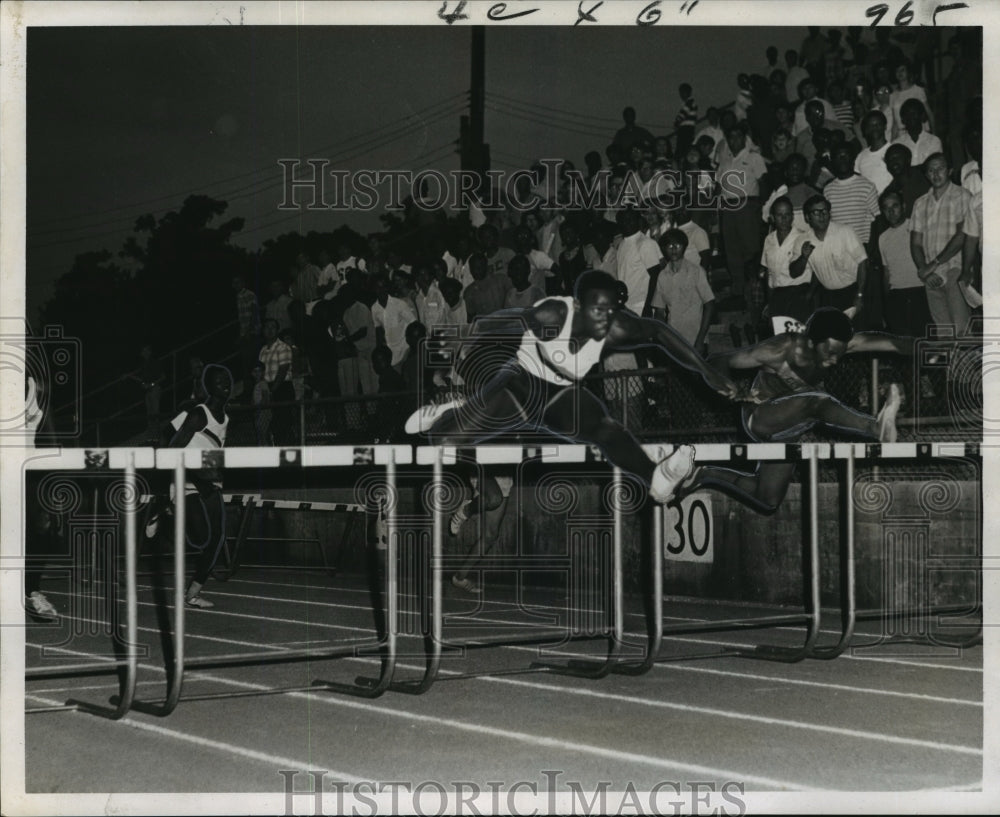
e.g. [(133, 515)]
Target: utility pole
[(475, 154)]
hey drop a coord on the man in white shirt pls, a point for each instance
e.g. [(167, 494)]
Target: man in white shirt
[(739, 177), (399, 313), (913, 136), (834, 255), (639, 259), (871, 161)]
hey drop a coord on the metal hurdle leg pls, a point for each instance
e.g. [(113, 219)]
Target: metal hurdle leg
[(232, 557), (811, 619), (433, 639), (592, 669), (175, 668), (848, 610), (128, 682)]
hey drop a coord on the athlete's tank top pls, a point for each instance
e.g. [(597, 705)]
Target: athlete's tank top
[(213, 435), (562, 366)]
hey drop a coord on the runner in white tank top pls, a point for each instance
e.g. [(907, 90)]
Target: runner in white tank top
[(539, 390)]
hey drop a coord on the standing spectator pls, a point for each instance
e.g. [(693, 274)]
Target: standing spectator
[(522, 292), (698, 249), (392, 411), (853, 199), (883, 105), (458, 316), (346, 260), (769, 67), (276, 309), (710, 127), (631, 134), (842, 106), (740, 211), (963, 84), (812, 50), (833, 254), (328, 280), (486, 293), (430, 304), (796, 73), (686, 119), (541, 268), (572, 262), (303, 289), (150, 376), (248, 319), (809, 91), (638, 261), (261, 407), (920, 143), (936, 240), (799, 191), (601, 252), (907, 89), (399, 313), (908, 179), (683, 291), (497, 257), (744, 97), (276, 358), (814, 114), (788, 296), (906, 310), (871, 161)]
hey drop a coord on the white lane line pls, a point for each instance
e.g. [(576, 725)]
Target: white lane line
[(725, 713), (821, 684), (271, 761), (522, 737)]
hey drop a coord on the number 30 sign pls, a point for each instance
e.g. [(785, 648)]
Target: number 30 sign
[(687, 528)]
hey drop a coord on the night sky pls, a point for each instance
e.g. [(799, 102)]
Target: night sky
[(124, 121)]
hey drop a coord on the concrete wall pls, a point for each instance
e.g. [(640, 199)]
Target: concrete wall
[(916, 541)]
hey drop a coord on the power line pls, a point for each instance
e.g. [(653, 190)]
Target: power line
[(540, 122), (446, 102), (549, 109)]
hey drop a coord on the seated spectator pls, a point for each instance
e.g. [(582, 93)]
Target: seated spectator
[(920, 142), (682, 292), (906, 311), (522, 292), (871, 161), (936, 241)]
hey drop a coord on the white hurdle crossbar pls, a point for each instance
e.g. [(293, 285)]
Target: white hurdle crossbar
[(88, 461)]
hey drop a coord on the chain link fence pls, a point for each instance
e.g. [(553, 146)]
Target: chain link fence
[(942, 401)]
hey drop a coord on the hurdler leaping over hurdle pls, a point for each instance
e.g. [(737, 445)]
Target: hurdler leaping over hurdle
[(561, 339), (790, 403)]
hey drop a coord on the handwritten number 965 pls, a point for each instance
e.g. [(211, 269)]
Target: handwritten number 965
[(905, 16)]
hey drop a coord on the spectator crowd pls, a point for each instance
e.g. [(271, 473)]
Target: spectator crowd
[(847, 174)]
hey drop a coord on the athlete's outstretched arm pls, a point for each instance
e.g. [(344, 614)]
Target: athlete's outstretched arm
[(629, 332), (880, 342), (768, 353)]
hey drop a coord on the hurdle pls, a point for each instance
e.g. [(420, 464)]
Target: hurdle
[(435, 644), (812, 453), (849, 453), (179, 460)]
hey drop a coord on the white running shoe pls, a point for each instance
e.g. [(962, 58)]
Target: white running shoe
[(152, 524), (459, 517), (198, 601), (424, 417), (886, 419), (40, 607), (671, 472)]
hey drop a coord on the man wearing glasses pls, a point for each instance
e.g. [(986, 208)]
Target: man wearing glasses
[(835, 257)]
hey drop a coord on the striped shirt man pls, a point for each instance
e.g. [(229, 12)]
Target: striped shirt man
[(853, 203)]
